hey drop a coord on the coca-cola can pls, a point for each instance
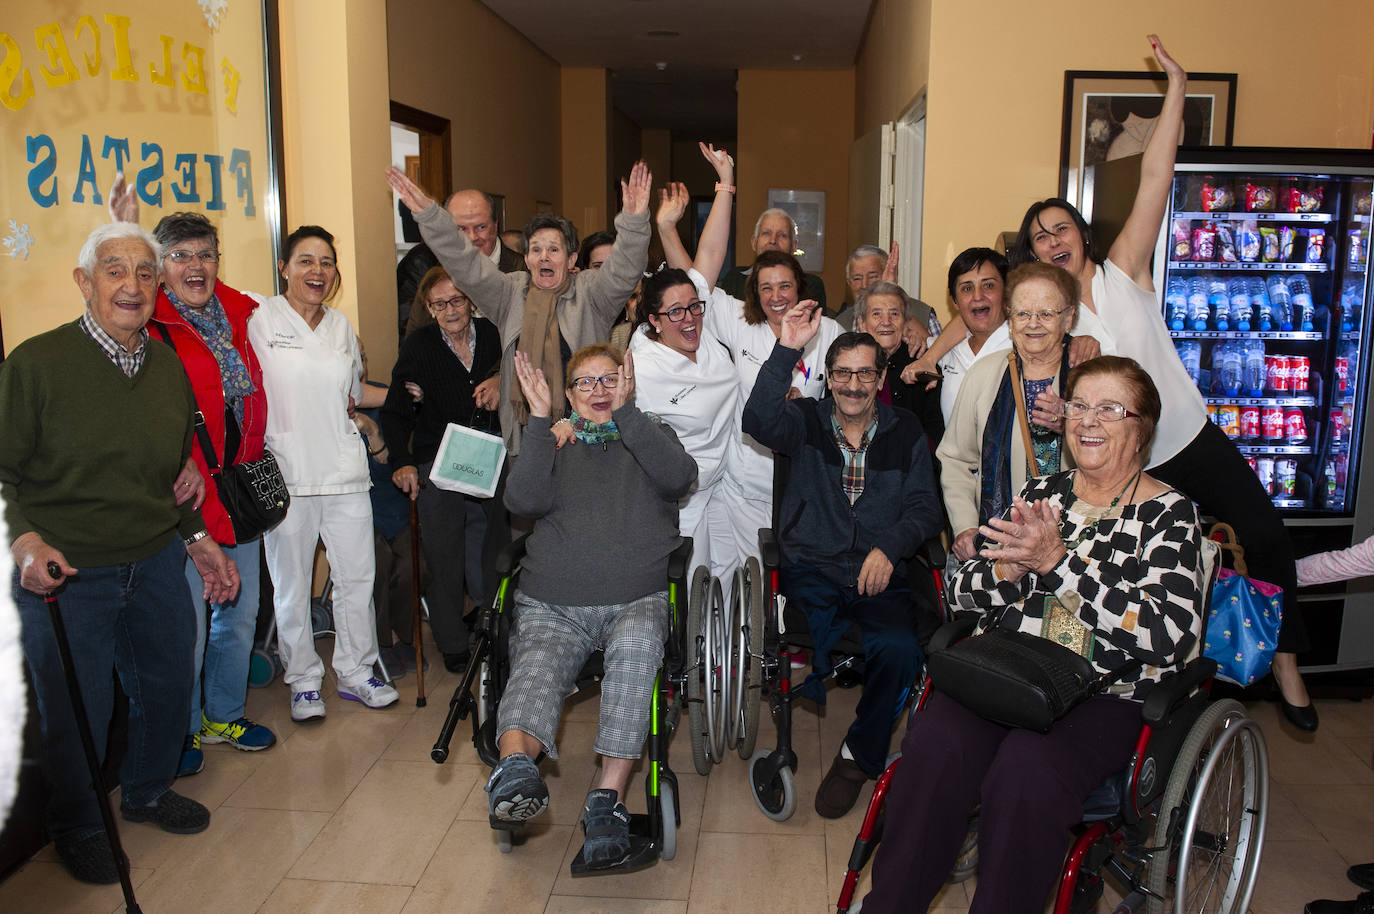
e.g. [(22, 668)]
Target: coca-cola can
[(1251, 460), (1264, 469), (1228, 418), (1285, 477), (1342, 374), (1271, 422), (1299, 368), (1250, 423), (1294, 425), (1337, 426), (1278, 373)]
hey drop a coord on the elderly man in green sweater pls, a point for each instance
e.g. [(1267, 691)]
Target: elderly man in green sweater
[(97, 424)]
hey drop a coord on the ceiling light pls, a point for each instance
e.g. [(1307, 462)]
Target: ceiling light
[(662, 33)]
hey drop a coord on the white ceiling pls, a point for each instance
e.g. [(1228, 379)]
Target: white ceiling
[(673, 63)]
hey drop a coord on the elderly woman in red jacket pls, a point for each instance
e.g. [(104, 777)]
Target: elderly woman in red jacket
[(206, 322)]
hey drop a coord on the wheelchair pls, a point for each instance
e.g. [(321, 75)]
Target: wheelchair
[(1180, 829), (772, 773), (653, 835)]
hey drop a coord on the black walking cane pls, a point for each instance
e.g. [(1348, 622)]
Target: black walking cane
[(415, 593), (83, 726)]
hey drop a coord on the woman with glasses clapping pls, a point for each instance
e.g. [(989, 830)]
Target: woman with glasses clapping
[(1007, 421)]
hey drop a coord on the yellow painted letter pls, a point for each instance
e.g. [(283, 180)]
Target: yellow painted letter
[(231, 86), (92, 62), (60, 69), (165, 77), (124, 61), (12, 68), (193, 80)]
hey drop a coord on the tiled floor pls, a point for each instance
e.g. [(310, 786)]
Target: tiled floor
[(351, 816)]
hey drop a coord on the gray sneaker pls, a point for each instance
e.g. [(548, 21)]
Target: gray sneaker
[(515, 792)]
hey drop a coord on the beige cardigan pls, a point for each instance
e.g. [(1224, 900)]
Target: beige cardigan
[(961, 448)]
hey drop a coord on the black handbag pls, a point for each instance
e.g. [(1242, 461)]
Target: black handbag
[(253, 494), (1017, 679)]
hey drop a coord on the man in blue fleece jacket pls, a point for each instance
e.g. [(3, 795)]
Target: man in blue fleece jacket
[(860, 499)]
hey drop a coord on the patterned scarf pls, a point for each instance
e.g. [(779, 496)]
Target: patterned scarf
[(589, 432), (213, 326)]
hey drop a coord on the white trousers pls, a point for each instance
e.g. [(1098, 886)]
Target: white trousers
[(724, 526), (344, 522)]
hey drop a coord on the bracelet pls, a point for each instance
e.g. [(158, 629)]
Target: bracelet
[(195, 538), (561, 421), (378, 451), (728, 188)]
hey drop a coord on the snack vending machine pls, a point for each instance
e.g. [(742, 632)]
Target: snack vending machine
[(1262, 273)]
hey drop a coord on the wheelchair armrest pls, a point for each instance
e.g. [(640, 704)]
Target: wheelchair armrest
[(679, 560), (769, 550), (951, 632), (1171, 690), (510, 555)]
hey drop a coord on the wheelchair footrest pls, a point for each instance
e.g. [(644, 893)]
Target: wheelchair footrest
[(643, 852)]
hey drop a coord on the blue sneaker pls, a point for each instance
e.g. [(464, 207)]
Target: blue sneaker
[(516, 792), (241, 734), (192, 759)]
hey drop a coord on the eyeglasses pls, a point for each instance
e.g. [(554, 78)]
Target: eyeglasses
[(1106, 412), (443, 304), (1024, 317), (184, 257), (587, 385), (678, 315), (866, 375)]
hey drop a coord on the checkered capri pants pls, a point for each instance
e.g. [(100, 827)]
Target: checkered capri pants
[(549, 645)]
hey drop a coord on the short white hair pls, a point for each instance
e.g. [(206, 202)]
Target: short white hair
[(774, 211), (865, 250), (112, 231)]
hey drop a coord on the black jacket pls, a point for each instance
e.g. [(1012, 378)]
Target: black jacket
[(413, 267)]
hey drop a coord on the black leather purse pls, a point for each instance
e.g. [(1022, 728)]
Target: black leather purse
[(1018, 679), (253, 494)]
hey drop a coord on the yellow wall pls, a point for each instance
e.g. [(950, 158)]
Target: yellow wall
[(586, 133), (795, 129), (996, 81), (458, 60), (337, 148), (893, 61)]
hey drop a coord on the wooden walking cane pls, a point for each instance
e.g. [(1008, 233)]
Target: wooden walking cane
[(83, 727), (415, 594)]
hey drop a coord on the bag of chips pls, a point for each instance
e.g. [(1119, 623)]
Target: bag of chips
[(1216, 198), (1183, 248), (1259, 198), (1316, 245), (1304, 201), (1249, 241), (1286, 236), (1204, 243), (1269, 244), (1226, 243)]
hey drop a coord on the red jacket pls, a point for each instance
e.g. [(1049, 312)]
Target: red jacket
[(208, 387)]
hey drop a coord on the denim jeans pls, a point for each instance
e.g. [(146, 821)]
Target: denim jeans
[(225, 656), (135, 620)]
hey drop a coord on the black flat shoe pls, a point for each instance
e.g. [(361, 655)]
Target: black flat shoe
[(1304, 718), (1362, 874)]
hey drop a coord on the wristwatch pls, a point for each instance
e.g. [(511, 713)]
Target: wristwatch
[(195, 538)]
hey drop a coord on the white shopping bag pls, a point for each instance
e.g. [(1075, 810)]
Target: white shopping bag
[(468, 461)]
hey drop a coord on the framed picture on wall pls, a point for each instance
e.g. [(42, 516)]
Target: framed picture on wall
[(807, 209), (1111, 114)]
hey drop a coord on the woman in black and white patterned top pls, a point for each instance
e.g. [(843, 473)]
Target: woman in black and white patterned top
[(1103, 552)]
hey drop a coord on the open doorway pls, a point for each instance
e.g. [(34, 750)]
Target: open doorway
[(422, 147)]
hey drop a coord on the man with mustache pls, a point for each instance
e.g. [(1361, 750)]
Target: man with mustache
[(860, 499)]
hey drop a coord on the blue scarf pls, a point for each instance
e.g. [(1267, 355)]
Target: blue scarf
[(589, 432), (213, 326)]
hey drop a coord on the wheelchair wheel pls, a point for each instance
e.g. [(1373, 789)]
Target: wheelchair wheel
[(776, 796), (485, 739), (321, 617), (966, 864), (719, 726), (696, 670), (750, 585), (667, 807), (261, 668), (1212, 817), (504, 841)]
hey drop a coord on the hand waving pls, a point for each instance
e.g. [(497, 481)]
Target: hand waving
[(123, 201), (721, 161), (1171, 67), (672, 203), (625, 390), (534, 385), (890, 268), (800, 324), (635, 192), (415, 199)]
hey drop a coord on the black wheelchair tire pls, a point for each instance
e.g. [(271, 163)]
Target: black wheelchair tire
[(753, 683), (667, 805), (776, 797), (696, 688)]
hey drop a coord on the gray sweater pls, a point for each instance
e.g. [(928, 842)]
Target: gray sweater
[(593, 302), (605, 516)]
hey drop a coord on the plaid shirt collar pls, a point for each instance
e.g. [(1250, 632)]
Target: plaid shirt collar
[(128, 362), (855, 458)]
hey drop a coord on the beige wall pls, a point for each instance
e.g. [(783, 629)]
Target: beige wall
[(893, 61), (336, 148), (795, 129), (456, 59), (995, 95), (587, 147)]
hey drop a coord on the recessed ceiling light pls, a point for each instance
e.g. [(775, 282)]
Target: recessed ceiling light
[(662, 33)]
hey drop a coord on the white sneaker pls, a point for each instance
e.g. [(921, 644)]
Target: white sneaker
[(372, 692), (306, 706)]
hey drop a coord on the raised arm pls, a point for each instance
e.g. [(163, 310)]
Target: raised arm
[(672, 203), (612, 285), (715, 235), (769, 415), (1132, 249), (529, 490)]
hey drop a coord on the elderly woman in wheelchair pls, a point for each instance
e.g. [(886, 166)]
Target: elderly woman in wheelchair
[(1103, 559), (593, 578)]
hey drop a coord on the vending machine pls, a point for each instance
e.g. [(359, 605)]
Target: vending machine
[(1261, 267)]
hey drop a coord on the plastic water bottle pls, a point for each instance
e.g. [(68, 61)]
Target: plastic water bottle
[(1190, 353), (1254, 368), (1220, 302), (1240, 303), (1264, 310), (1281, 301), (1350, 305), (1176, 302), (1300, 291), (1198, 308), (1228, 363)]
